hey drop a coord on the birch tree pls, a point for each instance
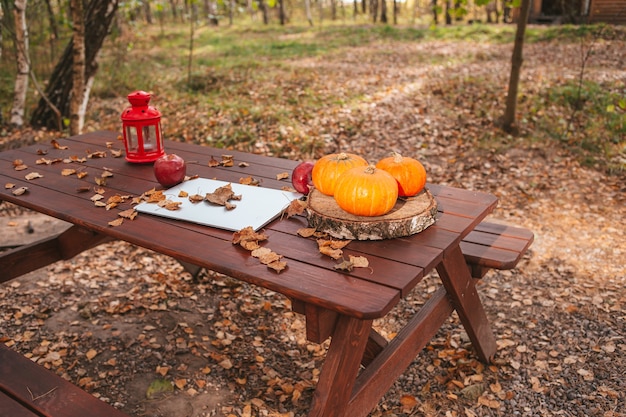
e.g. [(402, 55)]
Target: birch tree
[(23, 63), (98, 17), (78, 99)]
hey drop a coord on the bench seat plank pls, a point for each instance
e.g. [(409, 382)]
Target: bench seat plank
[(495, 246), (46, 393), (11, 408)]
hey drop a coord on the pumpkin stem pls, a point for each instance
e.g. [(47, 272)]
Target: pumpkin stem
[(397, 157), (370, 169), (342, 156)]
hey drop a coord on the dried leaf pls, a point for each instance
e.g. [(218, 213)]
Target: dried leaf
[(83, 189), (282, 176), (183, 194), (213, 162), (67, 172), (57, 145), (97, 154), (91, 353), (247, 234), (116, 222), (228, 160), (18, 165), (359, 261), (278, 266), (296, 207), (244, 164), (196, 198), (344, 265), (306, 231), (81, 174), (333, 253), (129, 214), (116, 153), (19, 191), (249, 181), (222, 195), (9, 185), (33, 176)]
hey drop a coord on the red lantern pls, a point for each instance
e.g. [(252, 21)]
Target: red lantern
[(142, 129)]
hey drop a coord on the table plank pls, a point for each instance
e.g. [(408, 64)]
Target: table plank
[(9, 407)]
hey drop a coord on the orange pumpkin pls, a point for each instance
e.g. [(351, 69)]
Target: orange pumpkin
[(366, 191), (408, 172), (328, 168)]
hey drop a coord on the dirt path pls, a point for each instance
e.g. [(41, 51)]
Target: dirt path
[(118, 319)]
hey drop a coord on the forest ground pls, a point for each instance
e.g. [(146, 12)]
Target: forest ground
[(224, 348)]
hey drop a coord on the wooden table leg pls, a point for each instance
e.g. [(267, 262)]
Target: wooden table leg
[(340, 368), (460, 286)]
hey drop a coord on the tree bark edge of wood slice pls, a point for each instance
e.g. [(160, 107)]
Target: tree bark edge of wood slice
[(409, 216)]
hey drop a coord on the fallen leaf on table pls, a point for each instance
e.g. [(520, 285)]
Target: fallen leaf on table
[(228, 160), (19, 165), (170, 205), (116, 222), (129, 214), (248, 238), (222, 195), (19, 191), (213, 162), (282, 176), (196, 198), (249, 181), (97, 154), (344, 265), (359, 261), (67, 172), (33, 176), (277, 266), (306, 231), (295, 207), (57, 145), (9, 185)]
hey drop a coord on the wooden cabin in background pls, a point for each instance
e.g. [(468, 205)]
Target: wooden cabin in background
[(576, 11)]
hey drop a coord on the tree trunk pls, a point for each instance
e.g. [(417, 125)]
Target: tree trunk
[(23, 63), (383, 11), (77, 118), (307, 9), (147, 11), (264, 12), (282, 16), (435, 12), (98, 18), (508, 121)]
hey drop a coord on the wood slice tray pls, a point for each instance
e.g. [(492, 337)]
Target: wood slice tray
[(409, 216)]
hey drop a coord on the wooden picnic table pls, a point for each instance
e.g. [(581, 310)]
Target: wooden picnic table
[(341, 305)]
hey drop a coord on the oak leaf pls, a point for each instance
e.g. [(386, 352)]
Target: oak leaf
[(222, 195)]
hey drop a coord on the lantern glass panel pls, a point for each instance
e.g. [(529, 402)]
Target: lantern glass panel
[(149, 138), (131, 135)]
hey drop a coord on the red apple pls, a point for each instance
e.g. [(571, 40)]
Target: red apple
[(169, 170), (301, 177)]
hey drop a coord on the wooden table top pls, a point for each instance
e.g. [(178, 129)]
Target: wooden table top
[(396, 265)]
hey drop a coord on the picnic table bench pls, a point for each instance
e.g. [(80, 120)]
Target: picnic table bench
[(360, 365)]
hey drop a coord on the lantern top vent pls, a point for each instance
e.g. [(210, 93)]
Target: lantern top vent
[(140, 108)]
